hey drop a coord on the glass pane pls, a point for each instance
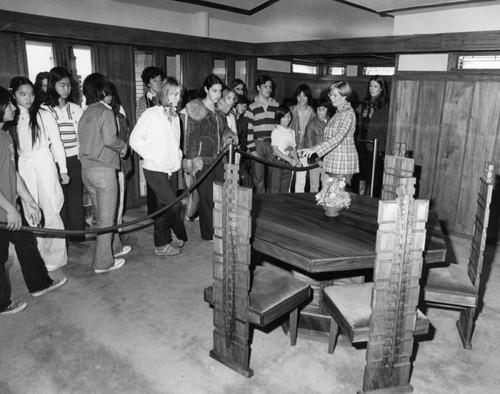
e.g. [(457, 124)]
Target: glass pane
[(479, 62), (304, 69), (333, 70), (40, 56), (83, 64), (378, 70), (220, 69), (141, 61), (240, 70), (173, 66)]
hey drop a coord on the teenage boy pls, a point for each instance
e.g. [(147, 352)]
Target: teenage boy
[(261, 114), (32, 265), (152, 78), (315, 135)]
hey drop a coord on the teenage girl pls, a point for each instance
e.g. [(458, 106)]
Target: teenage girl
[(302, 113), (239, 87), (157, 137), (39, 147), (284, 149), (59, 101), (206, 132)]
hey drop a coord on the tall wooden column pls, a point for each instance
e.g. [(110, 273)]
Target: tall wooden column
[(398, 267), (231, 273)]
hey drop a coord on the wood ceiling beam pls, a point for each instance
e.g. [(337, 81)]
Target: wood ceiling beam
[(228, 8)]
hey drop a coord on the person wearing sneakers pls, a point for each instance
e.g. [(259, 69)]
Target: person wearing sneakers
[(100, 150), (156, 138), (32, 265)]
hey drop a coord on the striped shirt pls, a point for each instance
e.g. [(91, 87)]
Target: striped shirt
[(67, 119), (261, 121)]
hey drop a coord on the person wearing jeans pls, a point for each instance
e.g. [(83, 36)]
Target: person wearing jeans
[(100, 151)]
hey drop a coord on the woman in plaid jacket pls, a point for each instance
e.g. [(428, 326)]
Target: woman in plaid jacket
[(340, 154)]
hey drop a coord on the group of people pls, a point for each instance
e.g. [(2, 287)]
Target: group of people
[(58, 148)]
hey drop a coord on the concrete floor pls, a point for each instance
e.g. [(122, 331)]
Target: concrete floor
[(146, 329)]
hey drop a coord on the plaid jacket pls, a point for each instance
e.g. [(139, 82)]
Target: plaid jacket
[(339, 151)]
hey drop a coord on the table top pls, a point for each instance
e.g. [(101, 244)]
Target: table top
[(293, 229)]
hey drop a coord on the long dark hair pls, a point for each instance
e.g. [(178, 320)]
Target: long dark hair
[(15, 84), (55, 75), (5, 99), (211, 80), (95, 87), (383, 99), (303, 88)]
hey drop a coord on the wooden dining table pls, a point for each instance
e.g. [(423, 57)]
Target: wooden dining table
[(322, 250)]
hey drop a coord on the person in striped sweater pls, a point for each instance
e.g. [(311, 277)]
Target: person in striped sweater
[(261, 114), (60, 102)]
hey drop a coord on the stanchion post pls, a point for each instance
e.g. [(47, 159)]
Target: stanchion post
[(230, 159)]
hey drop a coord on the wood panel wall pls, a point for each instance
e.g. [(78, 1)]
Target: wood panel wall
[(452, 127)]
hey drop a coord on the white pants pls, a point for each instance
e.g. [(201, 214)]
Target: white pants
[(300, 177)]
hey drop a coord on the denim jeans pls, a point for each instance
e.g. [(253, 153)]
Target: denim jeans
[(165, 188), (102, 185), (261, 173)]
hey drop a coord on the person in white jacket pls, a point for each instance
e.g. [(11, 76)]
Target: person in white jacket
[(156, 137), (39, 147)]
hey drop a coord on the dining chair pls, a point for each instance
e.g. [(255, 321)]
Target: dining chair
[(384, 313), (240, 297), (457, 285), (396, 166)]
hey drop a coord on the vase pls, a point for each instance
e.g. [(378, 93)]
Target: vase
[(331, 211)]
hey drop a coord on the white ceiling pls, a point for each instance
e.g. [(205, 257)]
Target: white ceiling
[(318, 19)]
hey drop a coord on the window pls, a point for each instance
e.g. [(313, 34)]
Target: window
[(173, 66), (304, 69), (379, 70), (220, 70), (83, 64), (479, 62), (240, 70), (40, 56), (141, 61), (336, 70)]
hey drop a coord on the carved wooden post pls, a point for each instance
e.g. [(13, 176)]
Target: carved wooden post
[(398, 267), (232, 231), (396, 166)]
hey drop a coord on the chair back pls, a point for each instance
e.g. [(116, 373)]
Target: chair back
[(396, 166), (484, 196), (398, 267)]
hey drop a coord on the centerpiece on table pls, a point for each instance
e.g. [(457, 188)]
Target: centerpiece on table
[(333, 196)]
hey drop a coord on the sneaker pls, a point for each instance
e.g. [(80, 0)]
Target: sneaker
[(167, 250), (55, 285), (177, 243), (14, 307), (126, 250), (118, 264)]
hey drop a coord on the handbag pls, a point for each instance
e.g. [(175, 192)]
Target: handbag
[(192, 204)]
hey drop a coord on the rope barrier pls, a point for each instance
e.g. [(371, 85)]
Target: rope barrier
[(274, 164), (38, 230)]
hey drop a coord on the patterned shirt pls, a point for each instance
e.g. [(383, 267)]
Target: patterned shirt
[(260, 120), (67, 119), (341, 156)]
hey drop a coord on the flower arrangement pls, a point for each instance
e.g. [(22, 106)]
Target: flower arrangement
[(333, 195)]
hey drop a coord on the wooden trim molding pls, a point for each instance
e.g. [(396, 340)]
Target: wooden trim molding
[(17, 22), (423, 43), (228, 8), (430, 43)]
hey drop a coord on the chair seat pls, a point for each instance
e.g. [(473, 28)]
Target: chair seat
[(450, 285), (272, 295), (350, 307)]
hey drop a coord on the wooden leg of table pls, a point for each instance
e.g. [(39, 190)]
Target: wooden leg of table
[(294, 323), (334, 331)]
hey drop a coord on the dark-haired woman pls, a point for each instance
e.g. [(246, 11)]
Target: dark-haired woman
[(100, 150), (206, 132), (59, 102), (373, 121), (39, 148)]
